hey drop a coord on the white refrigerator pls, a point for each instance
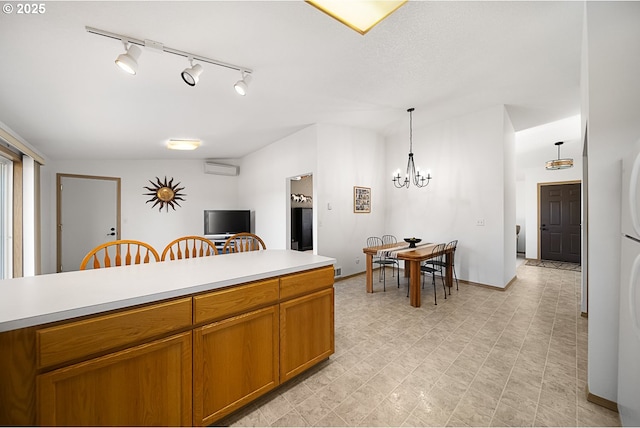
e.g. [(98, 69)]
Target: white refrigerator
[(629, 340)]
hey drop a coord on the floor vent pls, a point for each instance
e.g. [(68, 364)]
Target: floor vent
[(337, 272)]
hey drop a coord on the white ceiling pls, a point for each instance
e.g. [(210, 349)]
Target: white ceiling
[(61, 92)]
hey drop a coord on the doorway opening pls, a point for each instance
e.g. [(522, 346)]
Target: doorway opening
[(301, 206), (560, 221)]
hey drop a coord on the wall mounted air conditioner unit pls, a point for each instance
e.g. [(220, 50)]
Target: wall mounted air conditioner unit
[(221, 169)]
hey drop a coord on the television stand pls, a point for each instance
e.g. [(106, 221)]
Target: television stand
[(219, 239)]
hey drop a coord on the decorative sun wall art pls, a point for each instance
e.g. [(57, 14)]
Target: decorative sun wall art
[(165, 193)]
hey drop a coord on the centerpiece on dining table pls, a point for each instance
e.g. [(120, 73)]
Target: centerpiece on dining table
[(412, 241)]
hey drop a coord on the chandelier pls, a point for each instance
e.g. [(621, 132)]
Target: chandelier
[(413, 174), (559, 163)]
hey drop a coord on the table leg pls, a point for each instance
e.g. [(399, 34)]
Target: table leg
[(414, 283), (449, 271), (406, 268), (369, 273)]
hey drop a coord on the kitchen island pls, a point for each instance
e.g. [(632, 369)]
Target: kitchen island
[(184, 342)]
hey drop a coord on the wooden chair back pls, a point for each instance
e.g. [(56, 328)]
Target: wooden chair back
[(241, 242), (189, 247), (137, 252)]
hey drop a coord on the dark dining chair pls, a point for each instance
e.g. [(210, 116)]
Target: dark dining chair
[(450, 247), (435, 267), (390, 239), (381, 261)]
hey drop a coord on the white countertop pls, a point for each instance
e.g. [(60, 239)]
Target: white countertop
[(26, 302)]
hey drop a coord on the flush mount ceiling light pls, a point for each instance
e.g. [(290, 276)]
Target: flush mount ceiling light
[(242, 84), (183, 144), (559, 163), (191, 75), (359, 15), (128, 61)]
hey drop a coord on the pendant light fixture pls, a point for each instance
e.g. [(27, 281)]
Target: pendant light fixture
[(559, 163), (413, 174)]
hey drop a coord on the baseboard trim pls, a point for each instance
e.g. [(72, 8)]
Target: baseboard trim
[(607, 404), (464, 281), (342, 278), (492, 287)]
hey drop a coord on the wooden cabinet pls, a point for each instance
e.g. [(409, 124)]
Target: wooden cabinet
[(190, 360), (306, 332), (148, 384), (235, 361), (80, 340), (306, 320)]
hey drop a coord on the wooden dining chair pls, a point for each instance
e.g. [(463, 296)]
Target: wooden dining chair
[(433, 268), (137, 252), (189, 247), (241, 242)]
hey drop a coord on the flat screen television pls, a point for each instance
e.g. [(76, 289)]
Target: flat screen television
[(219, 222)]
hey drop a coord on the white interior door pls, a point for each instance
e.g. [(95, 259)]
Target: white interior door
[(89, 216)]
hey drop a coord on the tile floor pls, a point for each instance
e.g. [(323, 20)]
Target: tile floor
[(480, 358)]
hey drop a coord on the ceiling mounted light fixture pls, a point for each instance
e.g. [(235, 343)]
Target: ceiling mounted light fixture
[(191, 75), (242, 85), (128, 61), (559, 163), (413, 174), (183, 144), (359, 15)]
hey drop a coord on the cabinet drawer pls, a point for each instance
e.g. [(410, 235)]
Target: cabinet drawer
[(234, 300), (91, 336), (306, 282)]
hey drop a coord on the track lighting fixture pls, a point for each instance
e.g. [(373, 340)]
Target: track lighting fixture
[(191, 75), (242, 84), (128, 61)]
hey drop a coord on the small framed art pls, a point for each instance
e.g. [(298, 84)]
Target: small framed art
[(361, 199)]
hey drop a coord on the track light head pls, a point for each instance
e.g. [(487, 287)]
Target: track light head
[(128, 61), (191, 75), (242, 84)]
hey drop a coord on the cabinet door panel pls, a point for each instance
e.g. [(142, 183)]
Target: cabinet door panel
[(299, 284), (147, 385), (306, 332), (235, 361)]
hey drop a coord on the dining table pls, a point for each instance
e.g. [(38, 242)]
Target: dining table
[(413, 258)]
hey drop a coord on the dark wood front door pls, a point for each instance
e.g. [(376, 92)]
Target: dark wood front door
[(560, 214)]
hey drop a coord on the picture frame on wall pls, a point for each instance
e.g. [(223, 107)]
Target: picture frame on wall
[(361, 199)]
